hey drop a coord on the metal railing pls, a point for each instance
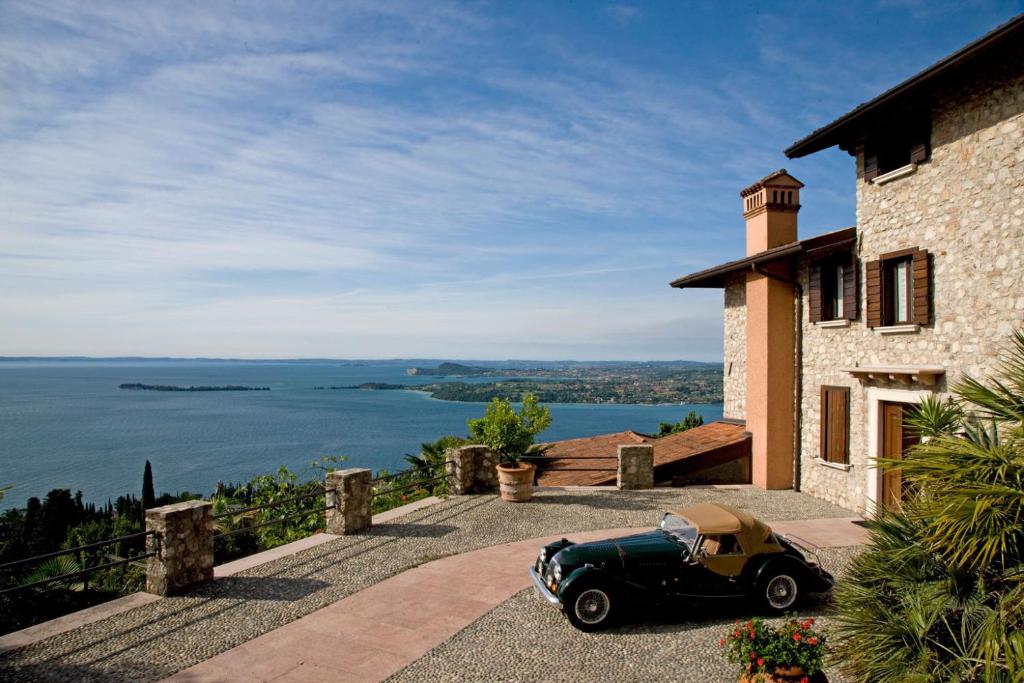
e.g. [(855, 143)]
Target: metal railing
[(378, 490), (320, 491), (85, 571), (545, 459)]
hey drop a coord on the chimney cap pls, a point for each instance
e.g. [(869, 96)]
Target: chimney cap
[(776, 179)]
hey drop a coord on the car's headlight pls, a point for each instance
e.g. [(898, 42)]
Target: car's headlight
[(556, 572), (543, 555)]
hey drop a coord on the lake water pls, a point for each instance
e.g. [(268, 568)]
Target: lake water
[(67, 425)]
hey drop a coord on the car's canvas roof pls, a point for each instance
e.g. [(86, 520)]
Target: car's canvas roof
[(715, 518)]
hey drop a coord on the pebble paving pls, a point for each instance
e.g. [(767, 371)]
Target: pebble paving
[(161, 638), (525, 639)]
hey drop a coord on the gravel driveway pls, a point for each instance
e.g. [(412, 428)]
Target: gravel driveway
[(172, 634), (525, 639)]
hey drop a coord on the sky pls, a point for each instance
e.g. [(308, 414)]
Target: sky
[(440, 179)]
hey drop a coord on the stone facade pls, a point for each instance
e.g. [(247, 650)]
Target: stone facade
[(734, 384), (965, 206), (471, 469), (636, 467), (183, 542), (348, 499)]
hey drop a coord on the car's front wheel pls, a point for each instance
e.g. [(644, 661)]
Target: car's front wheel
[(590, 608), (779, 591)]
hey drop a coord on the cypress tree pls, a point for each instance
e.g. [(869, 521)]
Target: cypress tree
[(148, 494)]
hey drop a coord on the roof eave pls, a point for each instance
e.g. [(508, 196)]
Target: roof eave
[(844, 129)]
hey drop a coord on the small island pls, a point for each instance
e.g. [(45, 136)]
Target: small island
[(167, 387)]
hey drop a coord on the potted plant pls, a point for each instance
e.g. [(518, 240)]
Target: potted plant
[(790, 653), (510, 436)]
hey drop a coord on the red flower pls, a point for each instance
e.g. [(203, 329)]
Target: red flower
[(760, 661), (812, 641), (805, 679), (753, 656), (750, 624), (751, 635), (721, 642), (797, 637), (737, 634)]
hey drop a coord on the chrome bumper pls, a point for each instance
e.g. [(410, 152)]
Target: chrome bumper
[(542, 589)]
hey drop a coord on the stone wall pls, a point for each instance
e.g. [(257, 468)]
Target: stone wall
[(966, 207), (183, 542), (734, 355)]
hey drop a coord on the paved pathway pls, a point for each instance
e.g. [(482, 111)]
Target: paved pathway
[(382, 629), (157, 640)]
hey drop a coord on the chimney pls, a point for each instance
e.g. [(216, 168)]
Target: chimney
[(770, 206)]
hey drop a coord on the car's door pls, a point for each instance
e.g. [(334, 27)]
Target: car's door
[(714, 570)]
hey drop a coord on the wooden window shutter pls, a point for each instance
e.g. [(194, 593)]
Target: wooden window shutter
[(850, 288), (870, 165), (873, 282), (922, 303), (835, 424), (919, 153), (814, 298)]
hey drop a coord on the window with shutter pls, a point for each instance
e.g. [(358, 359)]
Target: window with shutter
[(899, 289), (835, 424), (832, 288), (897, 145)]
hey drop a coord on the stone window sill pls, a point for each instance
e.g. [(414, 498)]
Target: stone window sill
[(833, 323), (899, 329), (833, 465), (896, 174)]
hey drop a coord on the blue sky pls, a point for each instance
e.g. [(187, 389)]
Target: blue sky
[(388, 179)]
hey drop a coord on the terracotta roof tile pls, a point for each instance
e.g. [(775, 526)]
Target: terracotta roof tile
[(577, 458)]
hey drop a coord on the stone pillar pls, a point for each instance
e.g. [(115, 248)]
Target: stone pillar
[(636, 467), (183, 542), (348, 500), (470, 469)]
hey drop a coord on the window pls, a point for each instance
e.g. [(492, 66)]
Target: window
[(835, 424), (726, 544), (832, 289), (896, 291), (896, 147), (899, 289)]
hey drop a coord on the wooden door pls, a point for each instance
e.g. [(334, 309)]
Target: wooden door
[(895, 440)]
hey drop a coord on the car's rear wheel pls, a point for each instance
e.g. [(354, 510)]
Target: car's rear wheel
[(590, 608), (779, 591)]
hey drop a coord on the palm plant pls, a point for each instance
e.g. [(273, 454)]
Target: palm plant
[(939, 594)]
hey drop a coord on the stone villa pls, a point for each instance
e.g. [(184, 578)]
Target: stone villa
[(827, 339)]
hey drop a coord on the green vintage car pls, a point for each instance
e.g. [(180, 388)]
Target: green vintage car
[(707, 551)]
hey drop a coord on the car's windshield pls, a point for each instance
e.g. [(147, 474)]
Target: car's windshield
[(679, 529)]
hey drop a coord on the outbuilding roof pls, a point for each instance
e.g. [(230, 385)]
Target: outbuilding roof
[(911, 93), (716, 276)]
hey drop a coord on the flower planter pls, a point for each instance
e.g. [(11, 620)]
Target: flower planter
[(789, 674), (515, 482)]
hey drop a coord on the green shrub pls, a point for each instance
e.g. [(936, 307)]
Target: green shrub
[(508, 433)]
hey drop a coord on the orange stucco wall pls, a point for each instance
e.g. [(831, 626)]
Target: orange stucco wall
[(769, 227)]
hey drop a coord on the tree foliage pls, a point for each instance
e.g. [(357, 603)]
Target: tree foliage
[(148, 493), (691, 420), (508, 433)]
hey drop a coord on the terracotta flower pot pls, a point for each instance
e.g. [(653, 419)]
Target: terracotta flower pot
[(516, 482), (783, 674)]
